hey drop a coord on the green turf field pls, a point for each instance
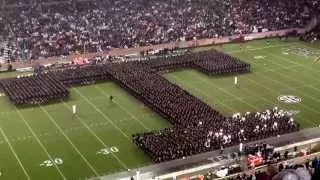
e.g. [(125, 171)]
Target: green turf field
[(48, 142)]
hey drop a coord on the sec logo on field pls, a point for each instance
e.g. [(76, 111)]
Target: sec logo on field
[(289, 99)]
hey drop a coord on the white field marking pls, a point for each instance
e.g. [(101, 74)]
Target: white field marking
[(255, 49), (102, 114), (96, 136), (301, 92), (273, 91), (202, 92), (259, 57), (266, 100), (124, 109), (14, 153), (278, 82), (99, 124), (68, 139), (312, 70), (225, 91), (141, 107)]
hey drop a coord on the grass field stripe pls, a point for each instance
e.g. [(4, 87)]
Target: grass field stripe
[(96, 136), (102, 114), (123, 109), (24, 138), (39, 141), (255, 49), (307, 107), (278, 82), (305, 120), (225, 91), (68, 139), (14, 153), (301, 92), (260, 97), (309, 76), (202, 92)]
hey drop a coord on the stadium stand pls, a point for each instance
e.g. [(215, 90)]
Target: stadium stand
[(38, 29)]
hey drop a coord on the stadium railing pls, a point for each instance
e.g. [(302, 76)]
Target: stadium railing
[(195, 172)]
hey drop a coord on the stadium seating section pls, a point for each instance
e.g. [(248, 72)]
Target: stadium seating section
[(32, 29)]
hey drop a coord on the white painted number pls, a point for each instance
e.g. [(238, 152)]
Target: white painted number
[(52, 162), (106, 151), (114, 149), (289, 99)]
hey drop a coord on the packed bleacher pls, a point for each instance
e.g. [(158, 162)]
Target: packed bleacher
[(37, 29)]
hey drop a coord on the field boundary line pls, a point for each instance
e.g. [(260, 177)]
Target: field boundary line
[(14, 153), (123, 109), (103, 115), (68, 139), (96, 136), (39, 141)]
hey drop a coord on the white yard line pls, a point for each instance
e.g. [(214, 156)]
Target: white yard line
[(123, 109), (225, 91), (202, 92), (278, 82), (270, 90), (287, 77), (14, 153), (96, 136), (300, 65), (102, 114), (39, 142), (68, 139), (92, 125)]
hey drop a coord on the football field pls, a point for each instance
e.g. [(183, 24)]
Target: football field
[(49, 142)]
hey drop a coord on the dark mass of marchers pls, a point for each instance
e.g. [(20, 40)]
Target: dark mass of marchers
[(197, 127)]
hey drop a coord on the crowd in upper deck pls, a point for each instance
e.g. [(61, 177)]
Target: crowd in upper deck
[(34, 30)]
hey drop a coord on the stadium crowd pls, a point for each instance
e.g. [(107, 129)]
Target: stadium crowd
[(37, 29)]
